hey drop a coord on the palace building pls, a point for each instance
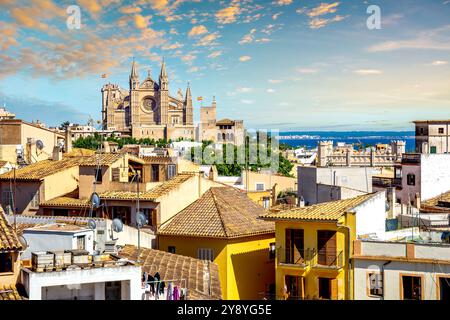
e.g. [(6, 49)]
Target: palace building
[(147, 110)]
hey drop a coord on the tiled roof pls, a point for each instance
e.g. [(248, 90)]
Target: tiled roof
[(225, 122), (69, 200), (3, 163), (9, 293), (159, 159), (40, 170), (151, 195), (104, 159), (441, 203), (222, 212), (8, 238), (79, 152), (328, 211), (202, 277)]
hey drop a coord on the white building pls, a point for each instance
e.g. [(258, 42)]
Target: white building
[(323, 184), (118, 280), (57, 236), (401, 271), (422, 176)]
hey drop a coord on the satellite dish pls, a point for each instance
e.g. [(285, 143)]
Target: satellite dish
[(140, 219), (91, 224), (95, 200), (117, 225), (23, 242), (39, 144)]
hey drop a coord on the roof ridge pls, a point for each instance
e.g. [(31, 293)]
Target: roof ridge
[(218, 212)]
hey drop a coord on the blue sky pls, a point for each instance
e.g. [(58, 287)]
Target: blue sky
[(279, 64)]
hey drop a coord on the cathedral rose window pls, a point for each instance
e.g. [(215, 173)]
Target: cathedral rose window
[(149, 104)]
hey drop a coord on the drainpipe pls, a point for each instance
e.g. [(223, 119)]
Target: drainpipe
[(382, 274), (347, 283)]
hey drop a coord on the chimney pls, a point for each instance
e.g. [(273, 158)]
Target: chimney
[(417, 200), (68, 141), (57, 154), (106, 148)]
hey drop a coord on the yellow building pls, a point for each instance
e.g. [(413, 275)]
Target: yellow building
[(223, 226), (10, 248), (313, 246)]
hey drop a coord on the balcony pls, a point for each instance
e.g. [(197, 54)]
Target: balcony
[(411, 158), (324, 259), (328, 259)]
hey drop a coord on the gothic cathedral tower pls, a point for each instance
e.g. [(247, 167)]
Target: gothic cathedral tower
[(188, 108), (164, 94), (134, 96)]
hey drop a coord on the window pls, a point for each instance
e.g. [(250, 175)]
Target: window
[(171, 171), (206, 254), (293, 287), (441, 130), (433, 149), (326, 246), (444, 288), (155, 173), (375, 284), (272, 250), (411, 179), (260, 187), (294, 251), (98, 175), (6, 263), (7, 197), (35, 200), (266, 202), (411, 288), (171, 249)]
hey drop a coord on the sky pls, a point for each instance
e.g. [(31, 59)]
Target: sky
[(289, 65)]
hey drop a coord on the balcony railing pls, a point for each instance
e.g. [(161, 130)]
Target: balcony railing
[(311, 258)]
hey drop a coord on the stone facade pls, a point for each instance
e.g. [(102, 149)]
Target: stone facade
[(223, 131), (147, 110), (330, 156), (433, 136)]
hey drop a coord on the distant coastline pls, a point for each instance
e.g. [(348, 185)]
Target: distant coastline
[(309, 139)]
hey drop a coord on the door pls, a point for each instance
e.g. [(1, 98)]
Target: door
[(326, 247), (294, 287), (81, 242), (444, 288), (325, 288), (113, 290)]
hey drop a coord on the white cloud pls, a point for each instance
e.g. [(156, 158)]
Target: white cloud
[(228, 14), (244, 101), (270, 90), (323, 8), (245, 58), (307, 70), (214, 54), (274, 81), (439, 63), (368, 72)]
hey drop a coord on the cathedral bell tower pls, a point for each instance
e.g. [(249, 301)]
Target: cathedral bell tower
[(134, 96), (164, 94)]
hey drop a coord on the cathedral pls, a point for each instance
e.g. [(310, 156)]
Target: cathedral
[(147, 110)]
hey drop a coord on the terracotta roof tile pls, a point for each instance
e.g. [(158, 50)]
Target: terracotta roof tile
[(441, 203), (222, 212), (159, 159), (150, 195), (202, 277), (8, 238), (9, 293), (328, 211)]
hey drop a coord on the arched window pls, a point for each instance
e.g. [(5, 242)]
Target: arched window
[(223, 136), (219, 136)]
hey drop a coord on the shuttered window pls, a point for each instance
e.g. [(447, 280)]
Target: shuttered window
[(326, 246)]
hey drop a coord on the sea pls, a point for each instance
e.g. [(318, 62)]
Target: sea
[(310, 139)]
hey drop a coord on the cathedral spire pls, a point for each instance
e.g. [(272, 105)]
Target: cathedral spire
[(188, 92), (163, 70), (133, 74)]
